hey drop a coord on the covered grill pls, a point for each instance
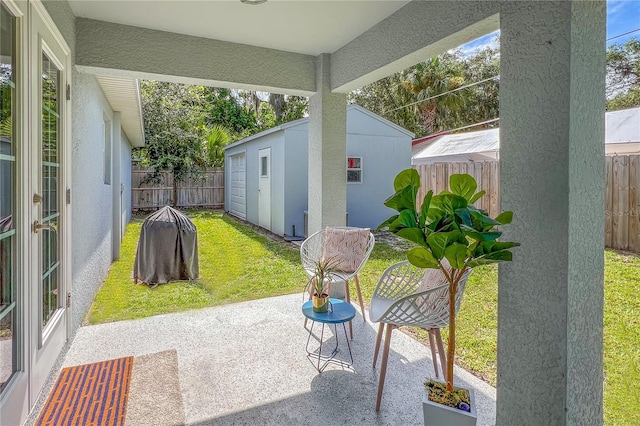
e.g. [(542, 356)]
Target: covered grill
[(167, 248)]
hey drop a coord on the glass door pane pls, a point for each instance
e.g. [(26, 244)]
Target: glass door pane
[(50, 166), (8, 303)]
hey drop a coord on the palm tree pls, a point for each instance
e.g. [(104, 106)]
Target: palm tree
[(217, 138), (431, 81)]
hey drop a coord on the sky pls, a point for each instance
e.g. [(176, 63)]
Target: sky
[(622, 16)]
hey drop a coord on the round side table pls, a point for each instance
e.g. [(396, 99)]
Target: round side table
[(340, 312)]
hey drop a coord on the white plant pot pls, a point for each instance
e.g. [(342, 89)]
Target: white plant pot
[(441, 415)]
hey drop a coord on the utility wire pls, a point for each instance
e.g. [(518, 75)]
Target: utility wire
[(622, 35), (443, 132), (442, 94)]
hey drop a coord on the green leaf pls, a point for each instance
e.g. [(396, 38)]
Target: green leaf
[(485, 222), (424, 209), (453, 202), (439, 241), (477, 196), (478, 235), (412, 234), (407, 177), (464, 215), (393, 201), (387, 222), (500, 256), (422, 258), (502, 245), (408, 198), (408, 219), (456, 254), (463, 185), (505, 218)]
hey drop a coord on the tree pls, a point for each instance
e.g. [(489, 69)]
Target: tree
[(214, 144), (623, 75), (421, 100), (223, 107), (433, 82), (482, 100), (173, 125)]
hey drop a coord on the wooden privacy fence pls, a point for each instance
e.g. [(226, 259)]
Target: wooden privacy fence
[(622, 203), (205, 190), (622, 193), (487, 173)]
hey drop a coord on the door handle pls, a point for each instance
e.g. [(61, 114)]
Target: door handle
[(37, 227)]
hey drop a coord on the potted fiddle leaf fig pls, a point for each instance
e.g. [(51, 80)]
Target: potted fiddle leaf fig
[(452, 235)]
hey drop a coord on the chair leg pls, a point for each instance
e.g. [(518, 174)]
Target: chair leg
[(432, 345), (385, 359), (348, 297), (378, 340), (364, 315), (443, 355), (305, 318)]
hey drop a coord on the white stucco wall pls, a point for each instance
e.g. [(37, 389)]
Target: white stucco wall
[(91, 197)]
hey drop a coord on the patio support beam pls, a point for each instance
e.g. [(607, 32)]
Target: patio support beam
[(327, 152), (117, 50), (419, 30), (550, 298)]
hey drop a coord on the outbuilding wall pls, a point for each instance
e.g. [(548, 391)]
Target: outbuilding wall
[(296, 182), (385, 151), (275, 141)]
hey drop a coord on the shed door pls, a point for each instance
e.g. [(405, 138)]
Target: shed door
[(238, 185)]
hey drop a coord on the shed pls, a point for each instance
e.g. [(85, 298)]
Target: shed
[(622, 132), (481, 145), (266, 177), (622, 137)]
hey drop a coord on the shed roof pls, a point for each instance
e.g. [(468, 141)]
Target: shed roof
[(623, 126), (462, 143), (305, 120)]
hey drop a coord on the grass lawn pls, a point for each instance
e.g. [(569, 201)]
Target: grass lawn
[(238, 263)]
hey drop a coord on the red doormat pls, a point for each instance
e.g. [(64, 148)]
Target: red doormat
[(90, 394)]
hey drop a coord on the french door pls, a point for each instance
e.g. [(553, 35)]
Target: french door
[(34, 227), (48, 178)]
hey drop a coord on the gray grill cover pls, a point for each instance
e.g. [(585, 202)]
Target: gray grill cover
[(167, 248)]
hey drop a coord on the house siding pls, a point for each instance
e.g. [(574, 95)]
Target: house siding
[(92, 201)]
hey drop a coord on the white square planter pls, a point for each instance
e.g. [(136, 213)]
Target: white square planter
[(441, 415)]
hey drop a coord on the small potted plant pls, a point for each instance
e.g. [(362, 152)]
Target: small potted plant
[(319, 284), (447, 227)]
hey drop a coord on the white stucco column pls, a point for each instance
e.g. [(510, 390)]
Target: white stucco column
[(327, 152), (550, 298)]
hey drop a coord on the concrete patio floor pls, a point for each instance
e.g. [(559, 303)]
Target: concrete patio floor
[(245, 363)]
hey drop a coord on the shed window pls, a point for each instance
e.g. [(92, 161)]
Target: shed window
[(354, 169)]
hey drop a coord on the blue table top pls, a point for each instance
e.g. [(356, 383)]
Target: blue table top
[(339, 312)]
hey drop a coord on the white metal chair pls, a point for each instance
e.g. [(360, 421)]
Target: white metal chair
[(407, 295), (313, 249)]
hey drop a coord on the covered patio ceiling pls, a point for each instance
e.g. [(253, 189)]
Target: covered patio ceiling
[(310, 27)]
